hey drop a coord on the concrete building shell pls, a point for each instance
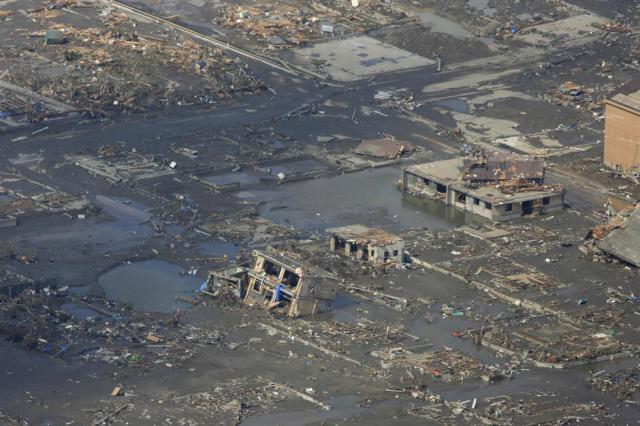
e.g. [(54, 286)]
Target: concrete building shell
[(363, 243), (497, 201)]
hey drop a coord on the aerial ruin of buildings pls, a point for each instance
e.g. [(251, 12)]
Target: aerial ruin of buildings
[(200, 219)]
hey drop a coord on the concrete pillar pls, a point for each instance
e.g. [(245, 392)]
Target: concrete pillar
[(347, 248), (333, 241), (360, 253)]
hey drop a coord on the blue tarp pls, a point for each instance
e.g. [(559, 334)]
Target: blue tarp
[(279, 292)]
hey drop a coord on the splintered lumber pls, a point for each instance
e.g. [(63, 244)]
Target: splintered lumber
[(110, 415), (302, 395), (309, 343)]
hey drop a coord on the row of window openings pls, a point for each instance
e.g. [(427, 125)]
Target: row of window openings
[(507, 207), (340, 244), (463, 197)]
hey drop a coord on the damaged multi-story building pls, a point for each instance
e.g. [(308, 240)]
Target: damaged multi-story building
[(281, 283), (363, 243), (622, 118), (496, 186)]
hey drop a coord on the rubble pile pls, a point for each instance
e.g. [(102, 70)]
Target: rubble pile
[(570, 93), (279, 24), (287, 25), (624, 384), (551, 344), (240, 397), (116, 68), (37, 320)]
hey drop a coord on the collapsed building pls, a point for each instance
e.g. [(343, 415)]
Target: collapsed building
[(281, 283), (496, 186), (363, 243)]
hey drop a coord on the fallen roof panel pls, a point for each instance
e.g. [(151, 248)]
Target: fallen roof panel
[(624, 243)]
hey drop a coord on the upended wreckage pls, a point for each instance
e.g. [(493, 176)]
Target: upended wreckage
[(280, 283)]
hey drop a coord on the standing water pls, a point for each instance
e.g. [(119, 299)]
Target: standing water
[(152, 285), (368, 197)]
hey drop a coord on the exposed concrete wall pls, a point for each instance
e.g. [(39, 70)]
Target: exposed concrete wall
[(622, 138), (480, 207), (395, 251), (556, 202), (513, 210), (416, 184), (503, 211), (484, 208), (373, 254)]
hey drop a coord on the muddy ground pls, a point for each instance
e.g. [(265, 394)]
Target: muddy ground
[(158, 193)]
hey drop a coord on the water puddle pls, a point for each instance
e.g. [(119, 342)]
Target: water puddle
[(438, 24), (457, 105), (344, 309), (218, 248), (80, 312), (122, 209), (368, 197), (152, 285)]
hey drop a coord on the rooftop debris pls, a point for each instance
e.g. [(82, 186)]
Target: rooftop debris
[(495, 186), (496, 167)]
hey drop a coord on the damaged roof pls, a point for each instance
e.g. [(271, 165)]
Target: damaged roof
[(363, 235), (494, 166), (499, 166), (291, 263), (628, 96), (623, 243), (445, 170)]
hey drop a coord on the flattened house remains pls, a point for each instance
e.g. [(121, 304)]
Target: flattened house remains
[(496, 186)]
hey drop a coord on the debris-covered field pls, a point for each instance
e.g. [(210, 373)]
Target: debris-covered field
[(319, 212)]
